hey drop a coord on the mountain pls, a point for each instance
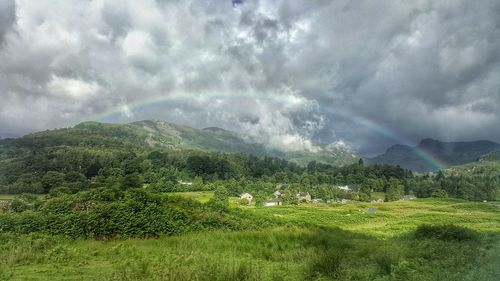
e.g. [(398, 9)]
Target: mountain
[(165, 135), (446, 153)]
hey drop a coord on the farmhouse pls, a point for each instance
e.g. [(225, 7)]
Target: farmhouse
[(246, 196), (345, 188), (185, 182), (273, 202), (304, 196)]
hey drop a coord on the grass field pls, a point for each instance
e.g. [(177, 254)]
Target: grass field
[(12, 196), (319, 242), (202, 196), (391, 218), (7, 196)]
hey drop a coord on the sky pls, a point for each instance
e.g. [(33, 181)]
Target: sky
[(357, 74)]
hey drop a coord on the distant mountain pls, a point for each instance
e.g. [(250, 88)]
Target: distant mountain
[(447, 153), (166, 135)]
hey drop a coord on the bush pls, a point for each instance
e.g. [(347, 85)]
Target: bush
[(107, 213), (446, 233)]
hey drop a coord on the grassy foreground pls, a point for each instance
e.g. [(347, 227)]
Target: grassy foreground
[(380, 246)]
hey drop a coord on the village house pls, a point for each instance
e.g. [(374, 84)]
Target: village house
[(273, 202), (304, 196), (246, 196), (344, 188), (185, 182)]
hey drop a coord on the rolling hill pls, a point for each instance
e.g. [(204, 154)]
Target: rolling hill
[(447, 153), (166, 135)]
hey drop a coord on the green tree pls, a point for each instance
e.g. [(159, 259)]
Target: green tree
[(52, 179), (133, 180), (395, 190)]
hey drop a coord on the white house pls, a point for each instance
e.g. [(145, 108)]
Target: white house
[(185, 182), (273, 202), (345, 188), (246, 196)]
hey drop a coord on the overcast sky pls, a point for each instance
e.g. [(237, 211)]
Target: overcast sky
[(367, 74)]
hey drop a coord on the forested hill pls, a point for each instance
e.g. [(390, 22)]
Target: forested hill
[(150, 134), (447, 153)]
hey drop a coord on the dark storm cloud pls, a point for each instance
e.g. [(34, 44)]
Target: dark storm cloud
[(7, 18), (365, 73)]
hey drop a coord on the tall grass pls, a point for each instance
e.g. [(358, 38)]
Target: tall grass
[(279, 254)]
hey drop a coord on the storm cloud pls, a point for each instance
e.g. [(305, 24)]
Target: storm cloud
[(366, 74)]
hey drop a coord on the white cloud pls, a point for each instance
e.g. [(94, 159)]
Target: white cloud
[(68, 87)]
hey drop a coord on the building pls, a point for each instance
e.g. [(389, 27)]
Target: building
[(277, 194), (273, 202), (246, 196), (304, 196), (185, 182), (344, 188)]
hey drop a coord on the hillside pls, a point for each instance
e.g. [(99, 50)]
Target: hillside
[(488, 166), (447, 153), (166, 135)]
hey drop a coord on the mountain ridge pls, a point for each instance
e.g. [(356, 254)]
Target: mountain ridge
[(446, 153)]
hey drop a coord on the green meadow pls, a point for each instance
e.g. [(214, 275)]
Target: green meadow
[(310, 242)]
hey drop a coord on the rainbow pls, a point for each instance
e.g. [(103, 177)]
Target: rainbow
[(180, 98), (392, 135)]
